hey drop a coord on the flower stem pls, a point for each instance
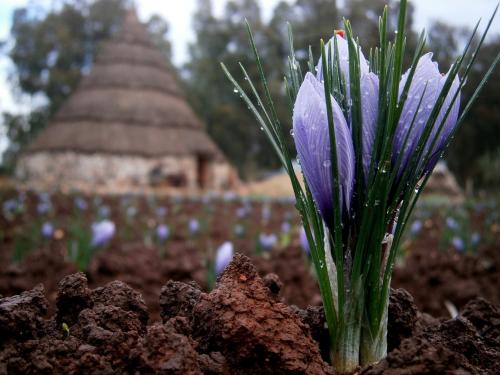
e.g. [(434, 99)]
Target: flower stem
[(374, 341), (345, 352)]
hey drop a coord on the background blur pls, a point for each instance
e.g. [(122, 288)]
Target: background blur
[(47, 46)]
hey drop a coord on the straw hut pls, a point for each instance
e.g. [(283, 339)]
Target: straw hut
[(126, 125)]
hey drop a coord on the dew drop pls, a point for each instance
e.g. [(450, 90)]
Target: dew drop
[(327, 163)]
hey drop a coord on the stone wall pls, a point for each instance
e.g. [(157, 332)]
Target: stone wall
[(87, 171)]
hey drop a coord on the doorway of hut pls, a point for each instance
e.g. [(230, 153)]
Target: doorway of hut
[(203, 170)]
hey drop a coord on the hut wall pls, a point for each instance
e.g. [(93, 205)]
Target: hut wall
[(50, 169)]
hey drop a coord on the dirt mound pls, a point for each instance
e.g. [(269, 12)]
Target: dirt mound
[(241, 327)]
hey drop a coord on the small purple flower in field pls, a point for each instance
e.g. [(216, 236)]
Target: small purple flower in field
[(47, 230), (102, 232), (161, 211), (266, 213), (10, 206), (131, 211), (285, 227), (194, 226), (267, 241), (416, 227), (304, 243), (239, 230), (475, 238), (452, 223), (104, 211), (223, 257), (162, 232), (230, 196), (81, 204), (43, 207), (312, 140), (458, 243), (242, 212)]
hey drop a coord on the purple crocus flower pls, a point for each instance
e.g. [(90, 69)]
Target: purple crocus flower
[(426, 85), (242, 212), (310, 126), (161, 211), (194, 226), (162, 232), (416, 227), (458, 243), (104, 211), (10, 206), (452, 223), (266, 213), (47, 230), (223, 257), (267, 241), (285, 227), (81, 204), (304, 243), (43, 207), (369, 84), (102, 232), (475, 238)]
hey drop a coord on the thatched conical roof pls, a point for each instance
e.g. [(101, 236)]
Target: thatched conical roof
[(129, 103)]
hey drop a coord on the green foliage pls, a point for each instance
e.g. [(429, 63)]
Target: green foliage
[(79, 249), (354, 263)]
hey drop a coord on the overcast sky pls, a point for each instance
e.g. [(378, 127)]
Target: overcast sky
[(179, 13)]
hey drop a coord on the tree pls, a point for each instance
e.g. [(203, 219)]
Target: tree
[(225, 39)]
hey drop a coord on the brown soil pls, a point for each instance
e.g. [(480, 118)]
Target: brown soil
[(433, 278), (241, 327)]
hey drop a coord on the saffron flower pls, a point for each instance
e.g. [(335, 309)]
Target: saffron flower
[(47, 230), (104, 211), (475, 238), (416, 227), (312, 140), (161, 211), (452, 223), (194, 226), (285, 227), (266, 213), (367, 137), (102, 232), (43, 207), (223, 257), (162, 232), (267, 241), (81, 204), (458, 244), (304, 243)]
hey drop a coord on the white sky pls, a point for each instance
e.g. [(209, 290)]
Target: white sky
[(179, 13)]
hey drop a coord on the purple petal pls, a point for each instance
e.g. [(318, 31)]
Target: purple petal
[(310, 125), (369, 108), (425, 85), (343, 48), (448, 126), (223, 257)]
